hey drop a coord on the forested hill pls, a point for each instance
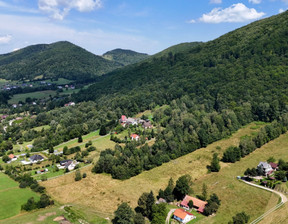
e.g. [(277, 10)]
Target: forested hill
[(124, 57), (60, 59), (246, 65)]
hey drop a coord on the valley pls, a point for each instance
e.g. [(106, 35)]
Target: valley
[(125, 137)]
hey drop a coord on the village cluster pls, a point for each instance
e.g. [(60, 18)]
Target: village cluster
[(126, 122), (182, 215)]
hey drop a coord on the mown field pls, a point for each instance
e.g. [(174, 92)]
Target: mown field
[(104, 193), (37, 95), (12, 197)]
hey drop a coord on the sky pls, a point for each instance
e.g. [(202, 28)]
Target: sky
[(146, 26)]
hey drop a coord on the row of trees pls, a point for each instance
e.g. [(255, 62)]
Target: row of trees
[(248, 144), (25, 180), (31, 204)]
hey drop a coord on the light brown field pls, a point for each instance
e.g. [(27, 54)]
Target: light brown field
[(102, 193)]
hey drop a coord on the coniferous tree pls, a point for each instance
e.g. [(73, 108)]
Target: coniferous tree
[(102, 130), (80, 139), (215, 164)]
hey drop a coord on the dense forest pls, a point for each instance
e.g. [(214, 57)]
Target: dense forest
[(124, 57), (246, 65), (211, 90), (61, 59)]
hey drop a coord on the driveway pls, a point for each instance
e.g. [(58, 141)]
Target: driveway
[(169, 215)]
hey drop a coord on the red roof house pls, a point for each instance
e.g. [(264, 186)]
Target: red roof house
[(123, 119), (274, 165), (135, 137), (183, 216), (197, 203), (11, 156)]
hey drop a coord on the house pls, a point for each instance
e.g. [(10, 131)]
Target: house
[(42, 171), (69, 104), (264, 168), (147, 124), (161, 200), (123, 119), (274, 166), (64, 162), (36, 158), (183, 216), (12, 157), (197, 203), (131, 121), (29, 147), (135, 137), (67, 164)]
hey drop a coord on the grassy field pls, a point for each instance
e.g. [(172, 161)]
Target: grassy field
[(105, 193), (38, 95), (12, 197), (100, 142), (39, 128), (46, 216)]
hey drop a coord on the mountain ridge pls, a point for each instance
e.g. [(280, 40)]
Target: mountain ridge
[(247, 63), (61, 59)]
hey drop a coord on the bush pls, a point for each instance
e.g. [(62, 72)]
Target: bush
[(78, 175)]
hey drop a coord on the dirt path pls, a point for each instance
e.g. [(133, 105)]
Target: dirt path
[(282, 196), (169, 215)]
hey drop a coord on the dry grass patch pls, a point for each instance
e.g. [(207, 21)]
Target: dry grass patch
[(101, 192), (280, 216)]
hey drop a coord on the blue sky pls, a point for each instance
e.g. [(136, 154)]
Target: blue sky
[(147, 26)]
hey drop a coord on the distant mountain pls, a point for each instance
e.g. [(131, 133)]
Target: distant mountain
[(60, 59), (248, 65), (125, 57)]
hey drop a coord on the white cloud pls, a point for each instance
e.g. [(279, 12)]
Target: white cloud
[(58, 9), (215, 1), (255, 1), (282, 10), (192, 21), (235, 13), (5, 39), (37, 30)]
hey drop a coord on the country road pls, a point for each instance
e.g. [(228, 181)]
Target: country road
[(283, 201), (169, 215)]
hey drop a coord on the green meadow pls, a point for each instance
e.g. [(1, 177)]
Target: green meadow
[(12, 197)]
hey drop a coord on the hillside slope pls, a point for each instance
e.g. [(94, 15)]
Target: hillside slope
[(246, 65), (124, 57), (60, 59)]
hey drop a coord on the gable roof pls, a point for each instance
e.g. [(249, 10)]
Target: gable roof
[(180, 213), (64, 162), (265, 165), (196, 202), (36, 157), (273, 165), (123, 118), (134, 136), (11, 156)]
